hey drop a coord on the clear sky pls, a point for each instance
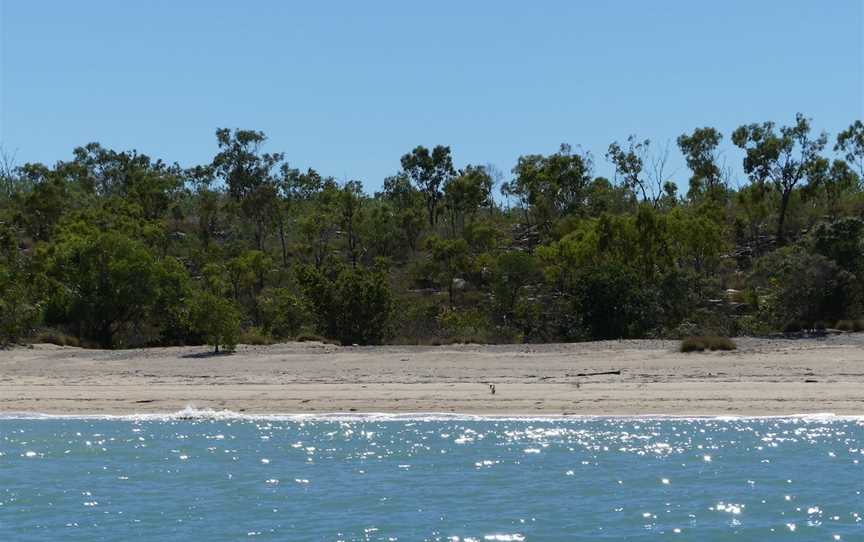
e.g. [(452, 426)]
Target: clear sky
[(348, 87)]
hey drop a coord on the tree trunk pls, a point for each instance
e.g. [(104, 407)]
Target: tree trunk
[(282, 239), (781, 219)]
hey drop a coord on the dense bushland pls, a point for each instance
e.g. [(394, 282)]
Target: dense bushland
[(116, 249)]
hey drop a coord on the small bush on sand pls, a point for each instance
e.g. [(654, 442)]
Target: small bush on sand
[(309, 338), (254, 336), (56, 337), (700, 344), (851, 325)]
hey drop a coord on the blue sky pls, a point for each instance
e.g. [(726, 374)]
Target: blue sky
[(348, 87)]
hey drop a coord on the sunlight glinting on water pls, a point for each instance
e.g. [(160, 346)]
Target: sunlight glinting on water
[(447, 479)]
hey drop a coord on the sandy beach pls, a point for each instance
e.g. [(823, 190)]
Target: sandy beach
[(763, 377)]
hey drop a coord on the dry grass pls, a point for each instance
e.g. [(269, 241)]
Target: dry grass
[(851, 325), (255, 337), (53, 336)]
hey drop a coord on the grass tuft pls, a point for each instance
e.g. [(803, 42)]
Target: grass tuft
[(850, 325), (255, 337), (53, 336)]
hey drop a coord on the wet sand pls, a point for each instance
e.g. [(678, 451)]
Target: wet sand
[(762, 377)]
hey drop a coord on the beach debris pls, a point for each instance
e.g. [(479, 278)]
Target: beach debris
[(492, 389), (617, 372)]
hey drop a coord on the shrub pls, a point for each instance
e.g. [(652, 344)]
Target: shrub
[(309, 338), (216, 319), (465, 326), (53, 336), (708, 342), (283, 313), (850, 325), (254, 336), (354, 307), (797, 289), (613, 302)]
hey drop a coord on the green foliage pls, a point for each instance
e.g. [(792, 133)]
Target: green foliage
[(514, 271), (613, 303), (784, 159), (21, 297), (429, 171), (351, 305), (118, 249), (107, 284), (450, 259), (19, 312), (841, 241), (551, 186), (254, 336), (216, 319), (700, 152), (467, 326), (799, 287), (283, 312)]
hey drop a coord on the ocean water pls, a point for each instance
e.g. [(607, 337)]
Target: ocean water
[(205, 476)]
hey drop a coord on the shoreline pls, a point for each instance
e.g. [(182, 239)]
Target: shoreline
[(194, 414), (788, 378)]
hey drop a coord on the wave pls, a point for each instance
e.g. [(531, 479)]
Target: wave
[(191, 413)]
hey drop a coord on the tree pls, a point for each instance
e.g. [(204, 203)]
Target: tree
[(248, 175), (784, 159), (842, 241), (45, 204), (20, 291), (104, 282), (850, 142), (612, 303), (351, 208), (408, 205), (551, 186), (352, 304), (700, 152), (798, 287), (450, 258), (836, 181), (294, 188), (216, 319), (283, 312), (513, 272), (629, 164), (429, 171), (465, 193)]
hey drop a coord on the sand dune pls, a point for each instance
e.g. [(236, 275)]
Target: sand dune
[(763, 377)]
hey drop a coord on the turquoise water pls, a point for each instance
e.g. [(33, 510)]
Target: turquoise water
[(448, 479)]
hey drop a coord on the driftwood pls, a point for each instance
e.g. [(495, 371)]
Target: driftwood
[(618, 372)]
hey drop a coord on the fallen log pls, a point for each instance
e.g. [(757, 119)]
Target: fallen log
[(618, 372)]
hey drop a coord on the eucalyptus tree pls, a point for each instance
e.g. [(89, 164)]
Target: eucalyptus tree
[(351, 200), (465, 194), (701, 155), (552, 186), (850, 142), (429, 171), (249, 176), (784, 158)]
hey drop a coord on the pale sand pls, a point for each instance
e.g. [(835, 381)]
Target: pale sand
[(763, 377)]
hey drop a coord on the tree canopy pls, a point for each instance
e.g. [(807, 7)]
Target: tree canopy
[(117, 249)]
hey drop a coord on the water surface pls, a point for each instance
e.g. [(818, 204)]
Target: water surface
[(448, 479)]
